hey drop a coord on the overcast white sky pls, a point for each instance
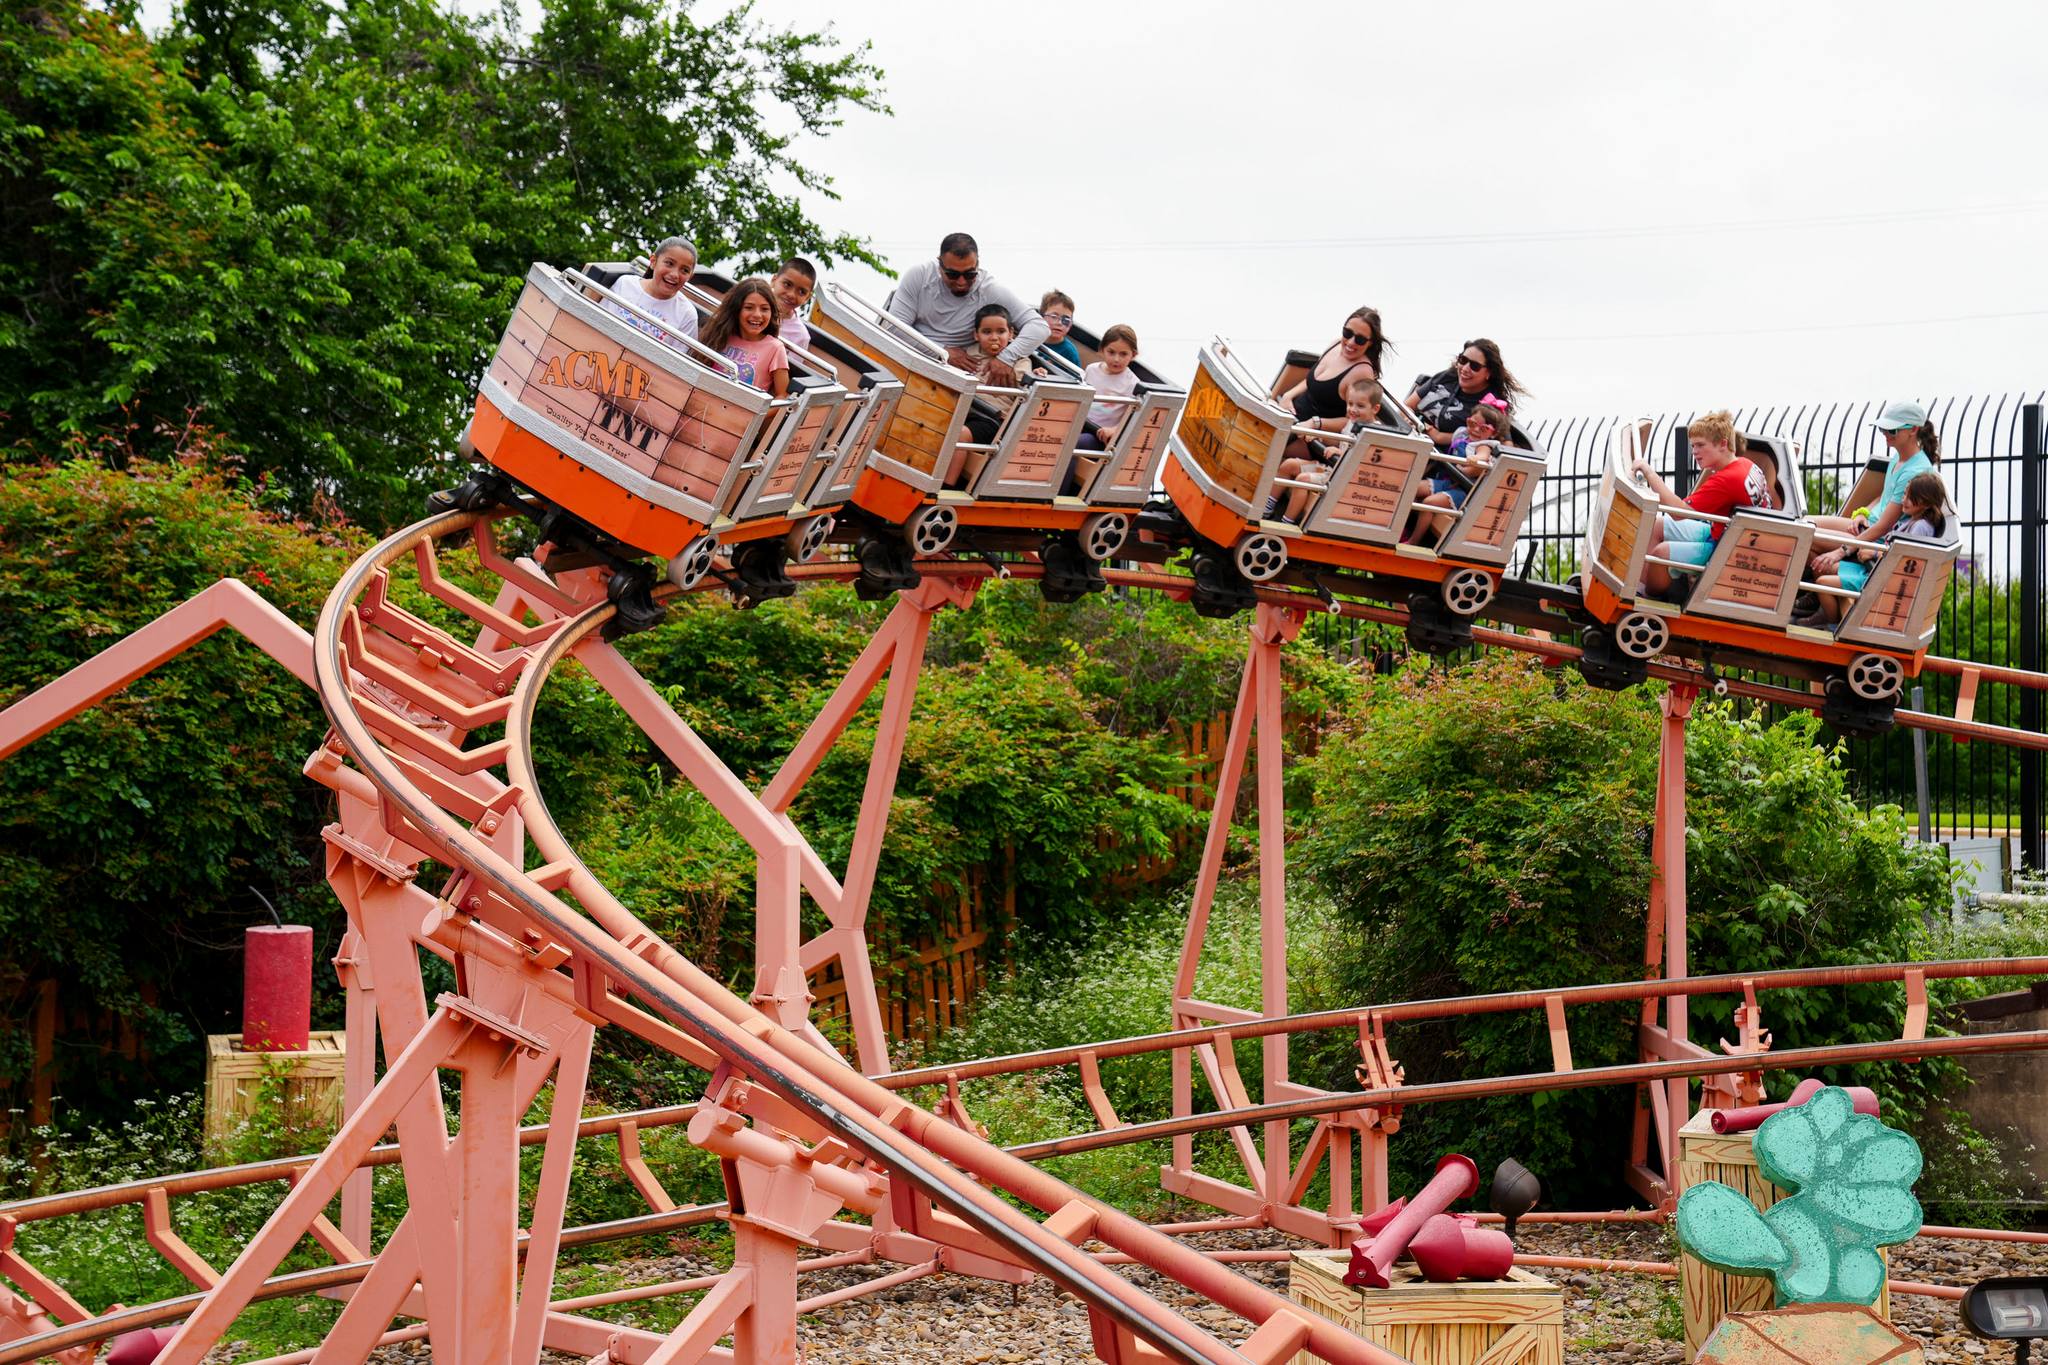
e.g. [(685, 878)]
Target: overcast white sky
[(1649, 205)]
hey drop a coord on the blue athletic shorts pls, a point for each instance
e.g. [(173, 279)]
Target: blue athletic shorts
[(1688, 541)]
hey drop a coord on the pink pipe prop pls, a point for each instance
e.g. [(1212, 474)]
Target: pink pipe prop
[(1456, 1178), (277, 987), (1743, 1120)]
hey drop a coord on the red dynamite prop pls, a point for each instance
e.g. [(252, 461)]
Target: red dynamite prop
[(1372, 1223), (1456, 1178), (277, 988), (1743, 1120), (1450, 1248)]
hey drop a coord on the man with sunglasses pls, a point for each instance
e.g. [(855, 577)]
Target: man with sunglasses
[(940, 299)]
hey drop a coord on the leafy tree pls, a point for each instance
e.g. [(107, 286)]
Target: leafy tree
[(1488, 829), (307, 223)]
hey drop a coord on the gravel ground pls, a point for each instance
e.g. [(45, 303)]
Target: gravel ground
[(952, 1320), (1609, 1318)]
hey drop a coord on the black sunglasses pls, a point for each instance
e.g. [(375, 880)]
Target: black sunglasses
[(1358, 338), (969, 273), (1466, 362)]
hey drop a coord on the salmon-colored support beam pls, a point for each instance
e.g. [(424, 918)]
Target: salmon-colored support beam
[(1916, 1005), (269, 1247), (228, 604), (1966, 698), (1560, 1036), (156, 1227), (1098, 1098), (635, 1166)]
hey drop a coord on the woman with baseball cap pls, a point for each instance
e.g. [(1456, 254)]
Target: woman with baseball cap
[(1915, 447)]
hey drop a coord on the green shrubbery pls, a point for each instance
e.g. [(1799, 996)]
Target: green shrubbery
[(134, 840), (1488, 829), (137, 832), (1117, 985)]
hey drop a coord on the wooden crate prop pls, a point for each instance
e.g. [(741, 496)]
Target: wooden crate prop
[(1516, 1321), (1708, 1294), (1815, 1333), (312, 1093)]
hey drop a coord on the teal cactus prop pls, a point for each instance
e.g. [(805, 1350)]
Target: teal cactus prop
[(1851, 1191)]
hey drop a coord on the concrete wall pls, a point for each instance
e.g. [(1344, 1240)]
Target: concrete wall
[(2008, 1095)]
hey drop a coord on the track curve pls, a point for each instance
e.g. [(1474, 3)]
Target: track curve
[(867, 1118)]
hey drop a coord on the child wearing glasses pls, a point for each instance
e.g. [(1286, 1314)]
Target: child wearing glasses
[(1057, 309), (1473, 447), (1920, 515)]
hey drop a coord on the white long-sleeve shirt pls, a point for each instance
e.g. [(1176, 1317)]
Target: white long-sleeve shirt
[(922, 299)]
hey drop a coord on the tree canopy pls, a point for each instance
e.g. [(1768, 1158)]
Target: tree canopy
[(303, 225)]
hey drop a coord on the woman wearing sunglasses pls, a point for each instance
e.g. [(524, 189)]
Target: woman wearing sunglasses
[(1320, 393), (1443, 401)]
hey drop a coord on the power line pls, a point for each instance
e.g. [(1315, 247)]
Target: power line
[(1605, 232), (1520, 339)]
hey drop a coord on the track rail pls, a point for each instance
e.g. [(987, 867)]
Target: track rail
[(845, 1105)]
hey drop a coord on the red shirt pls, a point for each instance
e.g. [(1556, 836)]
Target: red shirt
[(1734, 485)]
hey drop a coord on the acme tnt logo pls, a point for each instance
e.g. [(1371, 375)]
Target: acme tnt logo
[(596, 372)]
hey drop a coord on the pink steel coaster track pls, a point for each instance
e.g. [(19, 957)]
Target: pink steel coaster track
[(826, 1163)]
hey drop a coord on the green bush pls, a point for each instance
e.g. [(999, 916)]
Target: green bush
[(1008, 763), (1487, 829), (1117, 985), (134, 840)]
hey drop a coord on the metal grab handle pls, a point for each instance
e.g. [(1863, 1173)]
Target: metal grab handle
[(1046, 351), (1414, 422), (1222, 351), (668, 338), (886, 320)]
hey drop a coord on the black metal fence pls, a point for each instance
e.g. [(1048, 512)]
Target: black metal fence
[(1992, 459)]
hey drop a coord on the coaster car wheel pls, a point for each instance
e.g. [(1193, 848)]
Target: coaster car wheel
[(885, 567), (687, 569), (806, 539), (630, 590), (1433, 628), (1467, 591), (1103, 534), (1260, 556), (1070, 574), (1856, 716), (761, 568), (1603, 665), (931, 529), (480, 492), (1220, 591), (1642, 635), (1876, 677)]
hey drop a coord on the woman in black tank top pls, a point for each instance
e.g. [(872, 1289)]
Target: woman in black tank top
[(1321, 392)]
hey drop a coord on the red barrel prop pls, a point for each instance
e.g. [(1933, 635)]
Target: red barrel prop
[(277, 987)]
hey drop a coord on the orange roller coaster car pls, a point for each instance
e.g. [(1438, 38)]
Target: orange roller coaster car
[(1224, 479), (649, 439), (1031, 488), (1737, 608)]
